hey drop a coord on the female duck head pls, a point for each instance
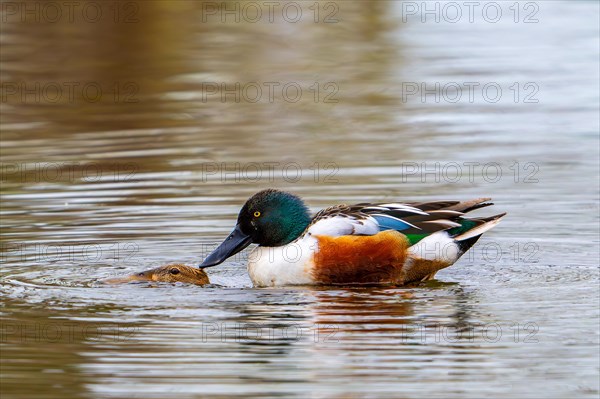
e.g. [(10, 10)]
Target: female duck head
[(269, 218), (167, 274)]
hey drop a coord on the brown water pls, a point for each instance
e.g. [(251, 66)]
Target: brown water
[(118, 154)]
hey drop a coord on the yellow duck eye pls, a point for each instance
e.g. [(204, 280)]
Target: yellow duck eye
[(256, 214)]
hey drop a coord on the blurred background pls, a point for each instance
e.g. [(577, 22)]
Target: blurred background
[(133, 131)]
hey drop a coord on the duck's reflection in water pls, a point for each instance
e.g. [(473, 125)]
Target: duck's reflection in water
[(365, 318)]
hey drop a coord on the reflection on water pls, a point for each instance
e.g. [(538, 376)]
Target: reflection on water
[(131, 141)]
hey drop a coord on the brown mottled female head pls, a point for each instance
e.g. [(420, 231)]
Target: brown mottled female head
[(167, 274)]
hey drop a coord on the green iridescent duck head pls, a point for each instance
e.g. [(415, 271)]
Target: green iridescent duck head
[(269, 218)]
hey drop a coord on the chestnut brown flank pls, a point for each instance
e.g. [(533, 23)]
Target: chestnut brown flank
[(360, 259)]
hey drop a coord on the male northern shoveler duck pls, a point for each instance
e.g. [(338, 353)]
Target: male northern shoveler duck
[(175, 273), (394, 243)]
